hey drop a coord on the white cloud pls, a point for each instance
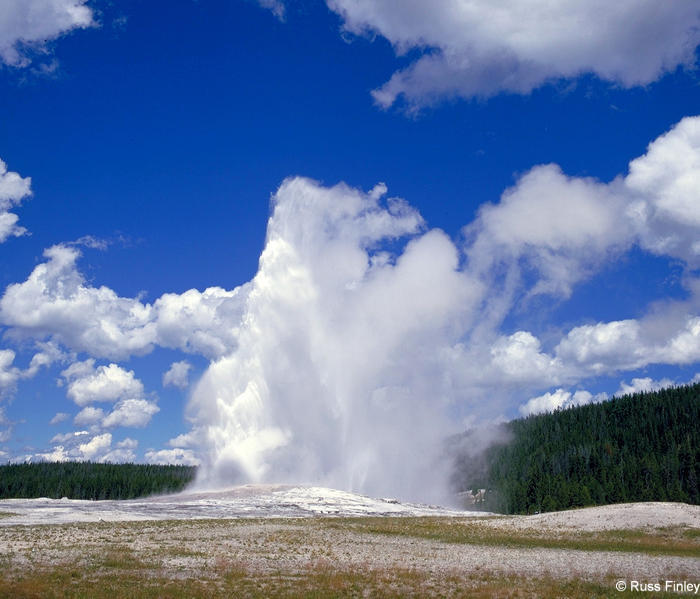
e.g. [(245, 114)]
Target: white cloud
[(94, 448), (639, 385), (67, 437), (563, 227), (518, 358), (59, 417), (199, 322), (9, 374), (78, 446), (559, 230), (88, 416), (189, 439), (27, 25), (55, 303), (13, 189), (185, 457), (131, 412), (665, 186), (177, 375), (58, 454), (481, 48), (559, 400), (123, 452), (87, 384)]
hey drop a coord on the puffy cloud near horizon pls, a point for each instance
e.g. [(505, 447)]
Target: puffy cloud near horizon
[(164, 457), (95, 446), (481, 48), (26, 26), (83, 446), (638, 385), (559, 400), (13, 189)]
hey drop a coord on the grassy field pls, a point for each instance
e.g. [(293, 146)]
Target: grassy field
[(329, 557)]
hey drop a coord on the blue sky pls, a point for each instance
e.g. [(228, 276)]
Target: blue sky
[(145, 147)]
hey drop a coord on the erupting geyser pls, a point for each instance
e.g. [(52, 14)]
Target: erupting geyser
[(339, 377)]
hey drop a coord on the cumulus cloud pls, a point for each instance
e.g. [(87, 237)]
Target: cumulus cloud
[(26, 26), (562, 227), (559, 400), (131, 412), (638, 385), (55, 303), (123, 452), (88, 415), (95, 446), (84, 445), (13, 189), (177, 375), (199, 322), (185, 457), (663, 185), (113, 384), (189, 439), (481, 48), (87, 384)]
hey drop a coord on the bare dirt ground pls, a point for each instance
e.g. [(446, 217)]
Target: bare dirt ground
[(578, 553)]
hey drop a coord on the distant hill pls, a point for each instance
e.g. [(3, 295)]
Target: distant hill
[(88, 480), (641, 447)]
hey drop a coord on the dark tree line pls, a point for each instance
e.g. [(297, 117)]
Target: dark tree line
[(88, 480), (641, 447)]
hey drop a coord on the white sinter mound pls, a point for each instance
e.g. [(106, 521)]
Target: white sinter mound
[(248, 501)]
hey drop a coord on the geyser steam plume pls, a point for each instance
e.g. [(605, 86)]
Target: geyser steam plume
[(338, 377)]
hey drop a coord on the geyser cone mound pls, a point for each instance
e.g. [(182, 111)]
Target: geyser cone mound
[(247, 501)]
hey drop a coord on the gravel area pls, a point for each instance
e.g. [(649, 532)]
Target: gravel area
[(630, 516), (186, 548)]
